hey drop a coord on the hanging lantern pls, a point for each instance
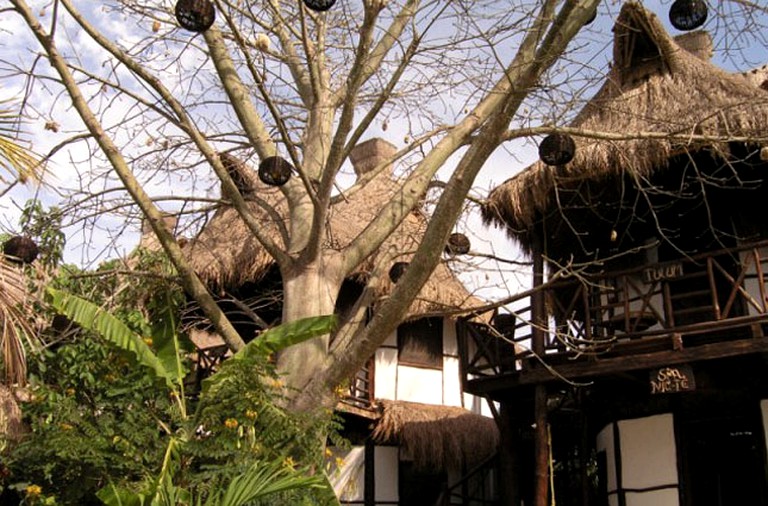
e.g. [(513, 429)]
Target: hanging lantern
[(275, 171), (397, 270), (557, 149), (21, 249), (688, 14), (319, 5), (195, 15), (458, 244)]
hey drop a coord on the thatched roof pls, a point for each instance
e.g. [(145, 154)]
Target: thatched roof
[(226, 255), (657, 84), (441, 437)]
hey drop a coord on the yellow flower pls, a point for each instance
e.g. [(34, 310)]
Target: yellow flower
[(251, 414), (148, 341), (288, 462), (328, 452), (339, 462), (66, 426), (230, 423), (34, 490), (70, 391)]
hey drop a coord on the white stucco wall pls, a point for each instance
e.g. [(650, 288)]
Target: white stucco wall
[(764, 411), (386, 466), (648, 460), (648, 452), (346, 471)]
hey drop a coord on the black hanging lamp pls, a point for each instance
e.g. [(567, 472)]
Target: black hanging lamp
[(397, 270), (557, 149), (275, 171), (319, 5), (458, 244), (195, 15), (688, 14), (21, 249)]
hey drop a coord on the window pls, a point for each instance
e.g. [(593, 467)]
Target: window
[(420, 343)]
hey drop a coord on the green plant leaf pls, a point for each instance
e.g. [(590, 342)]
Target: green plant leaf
[(264, 479), (94, 318), (288, 334), (112, 495)]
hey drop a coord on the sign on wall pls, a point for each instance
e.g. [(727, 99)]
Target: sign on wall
[(662, 272), (672, 379)]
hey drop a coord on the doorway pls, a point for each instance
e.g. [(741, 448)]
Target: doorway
[(723, 459)]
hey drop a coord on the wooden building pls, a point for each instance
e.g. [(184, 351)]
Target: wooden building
[(635, 370), (416, 437)]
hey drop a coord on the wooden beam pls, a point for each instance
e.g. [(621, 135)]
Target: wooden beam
[(581, 370)]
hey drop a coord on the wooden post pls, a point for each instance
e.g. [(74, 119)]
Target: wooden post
[(541, 439), (509, 455)]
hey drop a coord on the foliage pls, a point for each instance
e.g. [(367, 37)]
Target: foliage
[(44, 227), (15, 159), (93, 415), (99, 423)]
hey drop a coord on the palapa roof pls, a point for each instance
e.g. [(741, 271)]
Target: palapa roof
[(442, 437), (658, 85), (226, 255)]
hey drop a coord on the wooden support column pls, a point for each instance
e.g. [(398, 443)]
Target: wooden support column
[(541, 437), (369, 473), (510, 452)]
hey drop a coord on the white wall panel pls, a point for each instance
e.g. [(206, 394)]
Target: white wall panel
[(386, 465), (605, 444), (416, 384), (666, 497), (648, 452), (348, 480), (385, 376)]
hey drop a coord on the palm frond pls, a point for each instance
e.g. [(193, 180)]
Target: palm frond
[(15, 327), (18, 161)]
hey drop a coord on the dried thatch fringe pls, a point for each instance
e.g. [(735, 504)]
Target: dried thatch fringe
[(441, 437), (11, 426)]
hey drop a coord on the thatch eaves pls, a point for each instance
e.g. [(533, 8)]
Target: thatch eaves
[(657, 85), (437, 437), (226, 255)]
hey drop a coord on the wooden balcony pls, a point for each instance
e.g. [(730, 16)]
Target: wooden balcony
[(695, 308)]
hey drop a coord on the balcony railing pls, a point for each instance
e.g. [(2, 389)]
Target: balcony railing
[(696, 300)]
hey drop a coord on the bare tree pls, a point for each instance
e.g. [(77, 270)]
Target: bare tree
[(158, 105)]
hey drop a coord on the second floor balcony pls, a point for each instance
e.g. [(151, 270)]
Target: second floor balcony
[(694, 308)]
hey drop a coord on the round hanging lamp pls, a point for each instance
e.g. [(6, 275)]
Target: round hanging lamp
[(319, 5), (195, 15), (397, 270), (557, 149), (688, 14), (21, 249), (458, 244), (275, 171)]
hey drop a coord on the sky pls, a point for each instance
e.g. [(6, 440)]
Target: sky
[(90, 242)]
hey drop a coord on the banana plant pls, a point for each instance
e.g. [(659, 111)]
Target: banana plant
[(261, 479)]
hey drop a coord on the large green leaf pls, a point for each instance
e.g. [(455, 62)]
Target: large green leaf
[(92, 317), (288, 334), (263, 480)]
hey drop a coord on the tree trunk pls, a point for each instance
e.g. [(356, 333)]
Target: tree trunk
[(310, 290)]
